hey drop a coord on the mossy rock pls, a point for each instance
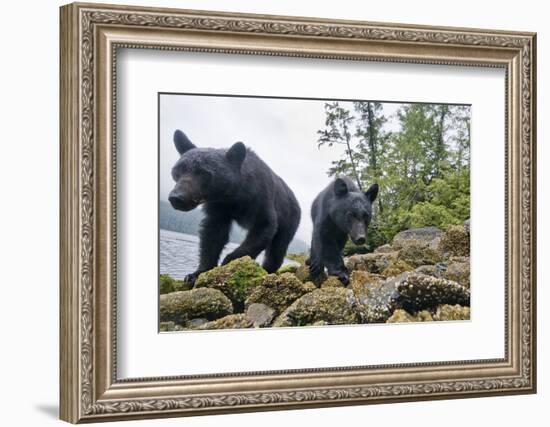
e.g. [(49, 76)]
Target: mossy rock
[(332, 282), (452, 312), (419, 291), (455, 241), (169, 284), (332, 306), (290, 268), (459, 272), (170, 327), (376, 298), (402, 316), (397, 267), (235, 279), (418, 254), (231, 321), (360, 278), (303, 274), (278, 291), (180, 307), (375, 262)]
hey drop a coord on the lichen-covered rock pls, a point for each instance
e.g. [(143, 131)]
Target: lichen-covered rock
[(397, 267), (289, 268), (402, 316), (416, 255), (375, 299), (335, 306), (452, 312), (232, 321), (260, 314), (384, 249), (168, 284), (375, 262), (279, 291), (196, 323), (431, 270), (425, 236), (234, 279), (359, 278), (459, 272), (332, 282), (180, 307), (170, 327), (303, 274), (467, 225), (419, 291), (455, 241)]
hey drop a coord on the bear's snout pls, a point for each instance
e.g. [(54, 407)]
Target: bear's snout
[(181, 204), (360, 241)]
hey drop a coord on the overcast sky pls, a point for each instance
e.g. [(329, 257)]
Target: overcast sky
[(283, 132)]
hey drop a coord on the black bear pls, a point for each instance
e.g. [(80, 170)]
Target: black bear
[(339, 211), (235, 185)]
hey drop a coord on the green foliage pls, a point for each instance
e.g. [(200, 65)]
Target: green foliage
[(421, 165)]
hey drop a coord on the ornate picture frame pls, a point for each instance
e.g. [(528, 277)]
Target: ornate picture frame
[(90, 37)]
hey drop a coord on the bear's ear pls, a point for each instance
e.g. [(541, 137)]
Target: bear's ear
[(340, 187), (372, 192), (236, 154), (182, 143)]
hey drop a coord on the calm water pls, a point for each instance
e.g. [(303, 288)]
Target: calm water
[(179, 253)]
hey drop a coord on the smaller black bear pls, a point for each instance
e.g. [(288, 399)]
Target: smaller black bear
[(339, 211), (235, 185)]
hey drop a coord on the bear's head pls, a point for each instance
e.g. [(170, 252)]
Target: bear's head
[(204, 174), (352, 211)]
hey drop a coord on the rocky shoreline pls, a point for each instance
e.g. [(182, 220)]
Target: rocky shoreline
[(423, 275)]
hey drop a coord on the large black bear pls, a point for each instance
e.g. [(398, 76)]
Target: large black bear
[(235, 185), (339, 211)]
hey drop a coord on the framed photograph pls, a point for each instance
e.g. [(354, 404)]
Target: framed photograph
[(267, 212)]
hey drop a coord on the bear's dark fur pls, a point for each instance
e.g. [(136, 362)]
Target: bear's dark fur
[(235, 185), (339, 211)]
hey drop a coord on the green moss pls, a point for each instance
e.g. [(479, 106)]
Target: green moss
[(290, 268), (169, 284), (234, 279)]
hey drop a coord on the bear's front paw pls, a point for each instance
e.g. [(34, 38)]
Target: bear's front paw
[(315, 268), (192, 277), (343, 276)]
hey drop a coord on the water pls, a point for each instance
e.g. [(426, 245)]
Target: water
[(179, 253)]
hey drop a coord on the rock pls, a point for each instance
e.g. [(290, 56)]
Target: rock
[(452, 312), (332, 282), (170, 327), (260, 315), (467, 225), (360, 278), (402, 316), (180, 307), (232, 321), (431, 270), (373, 262), (290, 268), (455, 241), (459, 272), (425, 236), (417, 254), (168, 284), (375, 300), (302, 273), (234, 279), (335, 306), (195, 323), (419, 291), (300, 258), (384, 249), (279, 291), (396, 267)]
